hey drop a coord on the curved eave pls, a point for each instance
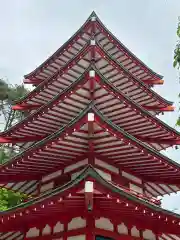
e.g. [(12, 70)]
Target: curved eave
[(163, 163), (141, 83), (29, 75), (89, 171), (128, 51), (109, 59), (137, 106), (66, 91), (47, 81), (156, 98), (118, 129), (13, 131), (53, 197)]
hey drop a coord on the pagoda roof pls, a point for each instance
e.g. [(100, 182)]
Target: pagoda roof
[(111, 144), (78, 40), (113, 103), (27, 187), (110, 201), (116, 71)]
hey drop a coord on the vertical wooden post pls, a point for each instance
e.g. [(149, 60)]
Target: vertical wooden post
[(90, 235)]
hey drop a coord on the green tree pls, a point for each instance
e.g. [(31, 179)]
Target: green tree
[(177, 49), (10, 199), (176, 62), (8, 94)]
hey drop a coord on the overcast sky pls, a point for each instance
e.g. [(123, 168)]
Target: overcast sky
[(31, 30)]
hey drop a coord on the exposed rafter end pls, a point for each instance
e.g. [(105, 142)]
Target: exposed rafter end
[(157, 140), (32, 81), (154, 82), (25, 107), (161, 109), (20, 139)]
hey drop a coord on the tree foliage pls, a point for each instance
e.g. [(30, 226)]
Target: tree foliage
[(10, 199), (9, 93), (176, 62)]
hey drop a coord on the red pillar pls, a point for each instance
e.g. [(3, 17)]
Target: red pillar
[(90, 223)]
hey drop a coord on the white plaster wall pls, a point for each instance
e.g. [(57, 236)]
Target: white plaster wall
[(76, 223), (104, 223), (149, 235), (78, 237), (59, 227), (122, 229), (46, 230), (33, 232), (135, 232)]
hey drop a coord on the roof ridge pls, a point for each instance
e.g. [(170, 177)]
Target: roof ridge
[(59, 49), (92, 108), (89, 171), (103, 78), (51, 77), (66, 90), (129, 52), (118, 128), (134, 77)]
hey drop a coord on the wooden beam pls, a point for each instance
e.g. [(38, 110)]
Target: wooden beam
[(32, 81), (157, 82), (20, 139), (161, 109), (158, 140), (26, 106)]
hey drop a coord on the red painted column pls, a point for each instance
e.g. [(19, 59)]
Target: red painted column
[(90, 223), (65, 229)]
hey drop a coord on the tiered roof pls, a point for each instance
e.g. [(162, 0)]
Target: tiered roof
[(110, 201), (113, 104), (92, 74)]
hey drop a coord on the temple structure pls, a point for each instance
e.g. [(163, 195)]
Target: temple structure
[(89, 149)]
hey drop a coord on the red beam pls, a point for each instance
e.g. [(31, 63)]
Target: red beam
[(129, 75), (32, 81), (18, 177), (157, 108), (158, 140), (21, 139), (26, 106), (158, 82)]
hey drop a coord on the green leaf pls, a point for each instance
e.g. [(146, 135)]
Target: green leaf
[(175, 63), (10, 199), (178, 31), (178, 122)]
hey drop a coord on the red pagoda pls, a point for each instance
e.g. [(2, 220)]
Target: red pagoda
[(89, 148)]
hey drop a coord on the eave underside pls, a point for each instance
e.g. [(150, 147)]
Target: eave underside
[(110, 101), (124, 76), (109, 42), (111, 144), (108, 201)]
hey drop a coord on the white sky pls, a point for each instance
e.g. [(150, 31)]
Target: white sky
[(31, 30)]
